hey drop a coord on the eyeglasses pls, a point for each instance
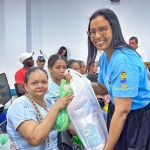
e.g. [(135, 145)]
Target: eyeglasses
[(101, 30)]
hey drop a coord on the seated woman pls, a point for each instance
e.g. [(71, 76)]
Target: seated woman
[(92, 72), (30, 118), (83, 69), (57, 66), (74, 64)]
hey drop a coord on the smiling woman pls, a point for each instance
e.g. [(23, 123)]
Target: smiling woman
[(30, 118), (123, 75)]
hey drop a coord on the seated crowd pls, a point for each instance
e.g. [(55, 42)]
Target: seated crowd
[(31, 117)]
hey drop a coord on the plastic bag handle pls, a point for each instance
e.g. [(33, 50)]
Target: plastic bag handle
[(75, 72)]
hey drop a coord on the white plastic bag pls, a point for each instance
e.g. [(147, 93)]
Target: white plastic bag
[(86, 114)]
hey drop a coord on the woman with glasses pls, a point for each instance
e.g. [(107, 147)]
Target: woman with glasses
[(30, 118), (122, 75)]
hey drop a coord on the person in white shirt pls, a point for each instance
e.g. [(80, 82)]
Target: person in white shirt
[(133, 42)]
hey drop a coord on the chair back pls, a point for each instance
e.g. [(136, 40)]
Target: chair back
[(5, 93), (3, 127), (17, 91)]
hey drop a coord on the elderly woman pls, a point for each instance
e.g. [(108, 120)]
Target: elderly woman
[(30, 118)]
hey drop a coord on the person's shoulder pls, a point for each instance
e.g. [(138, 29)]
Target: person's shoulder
[(19, 102), (120, 55), (122, 52), (21, 70)]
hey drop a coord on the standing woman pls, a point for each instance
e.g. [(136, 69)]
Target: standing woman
[(122, 75), (30, 118), (62, 51)]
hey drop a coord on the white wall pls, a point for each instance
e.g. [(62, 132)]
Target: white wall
[(53, 23)]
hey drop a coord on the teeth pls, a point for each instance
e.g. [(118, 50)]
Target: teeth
[(100, 42)]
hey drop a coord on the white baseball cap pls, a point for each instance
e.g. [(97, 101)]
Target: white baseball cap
[(25, 56)]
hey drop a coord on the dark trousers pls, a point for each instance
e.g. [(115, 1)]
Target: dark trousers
[(136, 132)]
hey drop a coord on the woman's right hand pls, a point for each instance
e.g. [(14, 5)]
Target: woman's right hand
[(63, 102)]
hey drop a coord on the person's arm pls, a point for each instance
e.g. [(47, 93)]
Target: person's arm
[(99, 89), (35, 133), (122, 108)]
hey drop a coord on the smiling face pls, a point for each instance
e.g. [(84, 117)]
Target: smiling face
[(102, 33), (37, 84)]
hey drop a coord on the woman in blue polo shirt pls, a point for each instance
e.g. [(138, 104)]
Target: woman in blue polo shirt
[(122, 75)]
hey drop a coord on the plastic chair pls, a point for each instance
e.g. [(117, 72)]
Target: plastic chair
[(3, 127), (17, 91)]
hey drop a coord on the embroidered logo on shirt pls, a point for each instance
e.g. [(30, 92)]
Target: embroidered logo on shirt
[(123, 80)]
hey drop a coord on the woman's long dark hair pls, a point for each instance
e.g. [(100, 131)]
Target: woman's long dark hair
[(61, 50), (117, 37)]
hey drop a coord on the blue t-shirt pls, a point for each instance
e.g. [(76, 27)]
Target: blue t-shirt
[(124, 75), (22, 110)]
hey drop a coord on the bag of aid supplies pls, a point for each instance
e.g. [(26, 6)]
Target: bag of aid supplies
[(62, 122), (85, 113)]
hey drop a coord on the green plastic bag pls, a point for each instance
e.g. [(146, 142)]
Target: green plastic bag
[(62, 122), (76, 140), (4, 142)]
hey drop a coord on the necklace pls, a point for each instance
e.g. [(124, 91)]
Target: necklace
[(39, 116)]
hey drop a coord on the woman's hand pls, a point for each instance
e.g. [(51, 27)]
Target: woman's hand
[(68, 77), (63, 102)]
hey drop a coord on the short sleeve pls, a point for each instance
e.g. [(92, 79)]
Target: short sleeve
[(125, 80), (20, 112)]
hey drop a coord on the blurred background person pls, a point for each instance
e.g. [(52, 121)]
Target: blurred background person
[(27, 60), (133, 42), (74, 64), (62, 51), (92, 74), (40, 61), (82, 67)]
